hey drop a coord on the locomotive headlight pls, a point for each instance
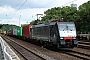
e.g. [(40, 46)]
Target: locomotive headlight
[(61, 37)]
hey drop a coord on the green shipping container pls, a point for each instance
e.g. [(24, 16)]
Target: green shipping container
[(19, 31)]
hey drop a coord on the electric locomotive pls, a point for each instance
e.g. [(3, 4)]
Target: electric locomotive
[(56, 33)]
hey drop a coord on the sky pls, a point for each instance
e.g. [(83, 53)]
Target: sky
[(19, 12)]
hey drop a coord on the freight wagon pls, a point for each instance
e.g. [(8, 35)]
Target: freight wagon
[(26, 32), (15, 31), (3, 32)]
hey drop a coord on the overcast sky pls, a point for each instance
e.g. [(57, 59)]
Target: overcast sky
[(11, 11)]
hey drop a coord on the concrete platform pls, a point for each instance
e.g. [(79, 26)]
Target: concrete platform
[(8, 53), (1, 54)]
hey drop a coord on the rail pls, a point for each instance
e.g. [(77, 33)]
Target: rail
[(27, 55), (87, 36)]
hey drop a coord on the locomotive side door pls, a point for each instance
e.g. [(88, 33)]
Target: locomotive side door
[(53, 34)]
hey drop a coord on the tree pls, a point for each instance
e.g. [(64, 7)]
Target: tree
[(53, 13), (7, 27), (67, 13), (84, 13), (34, 22)]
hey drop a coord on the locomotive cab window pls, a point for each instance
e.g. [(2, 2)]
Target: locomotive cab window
[(63, 27), (71, 26)]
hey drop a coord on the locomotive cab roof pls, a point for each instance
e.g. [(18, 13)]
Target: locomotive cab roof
[(51, 23)]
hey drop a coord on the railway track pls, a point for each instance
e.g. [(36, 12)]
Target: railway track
[(81, 56), (78, 54), (27, 54), (84, 44)]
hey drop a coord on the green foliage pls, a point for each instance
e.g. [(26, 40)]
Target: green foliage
[(7, 27), (84, 13), (67, 13), (1, 25), (34, 22)]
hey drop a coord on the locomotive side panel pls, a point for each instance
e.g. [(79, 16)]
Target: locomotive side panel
[(41, 33), (53, 34)]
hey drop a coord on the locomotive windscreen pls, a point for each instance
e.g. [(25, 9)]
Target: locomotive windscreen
[(66, 27)]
